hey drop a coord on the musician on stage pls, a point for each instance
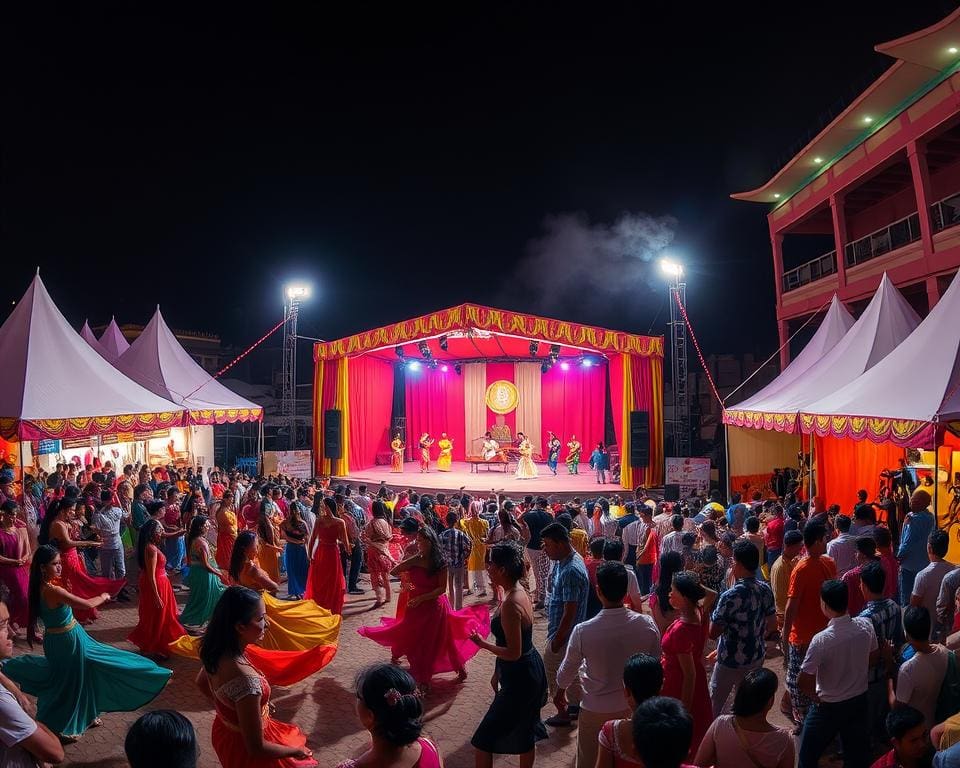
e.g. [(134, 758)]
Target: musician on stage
[(425, 442), (396, 453), (573, 455), (553, 451), (445, 458), (490, 447)]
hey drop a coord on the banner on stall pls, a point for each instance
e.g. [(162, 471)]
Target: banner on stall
[(298, 464), (692, 475)]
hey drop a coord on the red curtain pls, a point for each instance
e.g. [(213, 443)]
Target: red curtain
[(572, 403), (504, 372), (434, 402), (844, 466), (371, 399)]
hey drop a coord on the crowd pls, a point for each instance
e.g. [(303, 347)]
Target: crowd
[(659, 619)]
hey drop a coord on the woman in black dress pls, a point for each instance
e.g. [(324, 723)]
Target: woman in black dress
[(512, 725)]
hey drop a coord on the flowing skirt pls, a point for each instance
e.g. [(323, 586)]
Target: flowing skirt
[(270, 561), (298, 625), (16, 579), (298, 565), (432, 636), (396, 462), (225, 541), (231, 749), (158, 626), (444, 461), (78, 679), (279, 667), (526, 469), (325, 582), (79, 583), (205, 591), (512, 725)]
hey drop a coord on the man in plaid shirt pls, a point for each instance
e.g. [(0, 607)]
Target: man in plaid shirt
[(456, 547)]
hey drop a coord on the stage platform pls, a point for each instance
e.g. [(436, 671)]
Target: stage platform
[(562, 486)]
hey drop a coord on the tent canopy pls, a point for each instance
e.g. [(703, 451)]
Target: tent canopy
[(88, 336), (113, 341), (903, 396), (55, 385), (158, 361)]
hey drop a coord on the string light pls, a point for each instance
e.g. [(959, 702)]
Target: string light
[(696, 345)]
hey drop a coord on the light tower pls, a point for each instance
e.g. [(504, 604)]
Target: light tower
[(678, 358), (293, 294)]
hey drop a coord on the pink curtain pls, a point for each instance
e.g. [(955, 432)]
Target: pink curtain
[(371, 398), (844, 466), (572, 404), (497, 372), (435, 404)]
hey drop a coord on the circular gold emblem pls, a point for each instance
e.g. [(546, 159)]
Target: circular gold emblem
[(502, 396)]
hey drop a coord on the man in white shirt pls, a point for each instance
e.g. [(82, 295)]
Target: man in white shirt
[(834, 675), (921, 676), (926, 587), (843, 549), (601, 646)]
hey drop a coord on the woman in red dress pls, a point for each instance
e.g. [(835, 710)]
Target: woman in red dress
[(56, 530), (684, 677), (432, 636), (244, 734), (158, 625), (325, 582)]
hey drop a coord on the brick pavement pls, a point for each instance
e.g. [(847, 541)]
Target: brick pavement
[(323, 706)]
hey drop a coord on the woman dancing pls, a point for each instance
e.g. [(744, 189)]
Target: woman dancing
[(295, 554), (205, 579), (56, 530), (396, 454), (425, 442), (526, 469), (379, 561), (244, 734), (226, 530), (14, 564), (268, 528), (553, 451), (445, 457), (158, 625), (512, 725), (77, 678), (325, 581), (432, 636)]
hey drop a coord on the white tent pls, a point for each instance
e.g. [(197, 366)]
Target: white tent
[(55, 385), (113, 341), (88, 336), (158, 362)]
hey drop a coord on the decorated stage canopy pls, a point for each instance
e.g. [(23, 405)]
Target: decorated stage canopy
[(55, 385), (472, 350), (157, 361)]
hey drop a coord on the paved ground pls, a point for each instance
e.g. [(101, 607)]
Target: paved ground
[(323, 706)]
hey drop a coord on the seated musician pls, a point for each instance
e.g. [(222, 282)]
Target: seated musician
[(490, 447)]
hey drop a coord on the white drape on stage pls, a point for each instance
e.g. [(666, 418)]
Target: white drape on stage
[(474, 405), (526, 377)]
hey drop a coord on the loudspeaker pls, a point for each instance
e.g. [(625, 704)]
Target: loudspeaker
[(331, 434), (639, 438), (671, 492)]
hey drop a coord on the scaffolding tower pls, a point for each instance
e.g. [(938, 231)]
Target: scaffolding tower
[(678, 367)]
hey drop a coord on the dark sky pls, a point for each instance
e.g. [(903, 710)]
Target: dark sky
[(405, 163)]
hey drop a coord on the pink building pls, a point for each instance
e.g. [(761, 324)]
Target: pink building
[(878, 189)]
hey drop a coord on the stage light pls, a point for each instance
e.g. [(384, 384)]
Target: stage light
[(534, 347), (952, 49), (413, 365), (554, 351), (586, 362), (544, 367), (458, 368), (818, 160), (443, 343), (399, 351), (776, 195), (297, 291), (444, 368), (671, 268), (868, 119), (434, 364), (424, 350), (564, 366)]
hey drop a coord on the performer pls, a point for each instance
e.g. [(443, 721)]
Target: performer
[(268, 528), (446, 453), (298, 562), (77, 678), (205, 579), (14, 564), (425, 442), (396, 453), (226, 530), (158, 625), (432, 636), (526, 469), (325, 580), (490, 447), (573, 456), (232, 683), (553, 451), (477, 529)]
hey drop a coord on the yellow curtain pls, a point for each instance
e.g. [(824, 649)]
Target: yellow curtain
[(341, 466), (526, 378), (654, 476), (474, 407), (626, 471)]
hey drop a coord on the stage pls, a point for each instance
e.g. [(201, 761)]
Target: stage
[(563, 486)]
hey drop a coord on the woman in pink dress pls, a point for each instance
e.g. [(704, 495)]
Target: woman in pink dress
[(325, 582), (432, 636), (14, 564), (389, 707), (683, 675)]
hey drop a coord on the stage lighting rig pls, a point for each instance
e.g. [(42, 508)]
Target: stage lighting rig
[(534, 347), (443, 343), (459, 369), (544, 367), (399, 351), (424, 350)]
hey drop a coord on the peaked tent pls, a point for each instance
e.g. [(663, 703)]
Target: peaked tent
[(56, 386), (158, 362), (753, 451), (88, 336), (113, 341)]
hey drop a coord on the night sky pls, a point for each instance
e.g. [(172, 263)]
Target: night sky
[(531, 158)]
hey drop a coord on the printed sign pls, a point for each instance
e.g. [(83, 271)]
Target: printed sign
[(298, 464), (692, 475)]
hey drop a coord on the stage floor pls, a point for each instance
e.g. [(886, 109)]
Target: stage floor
[(563, 485)]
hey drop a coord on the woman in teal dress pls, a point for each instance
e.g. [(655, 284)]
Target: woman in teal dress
[(204, 578), (77, 678)]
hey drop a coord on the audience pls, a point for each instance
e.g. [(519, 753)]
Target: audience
[(161, 739)]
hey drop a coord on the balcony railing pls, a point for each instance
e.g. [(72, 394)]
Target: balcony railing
[(811, 271), (891, 237), (945, 213)]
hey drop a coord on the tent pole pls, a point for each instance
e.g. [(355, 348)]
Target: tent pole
[(726, 460), (936, 475)]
